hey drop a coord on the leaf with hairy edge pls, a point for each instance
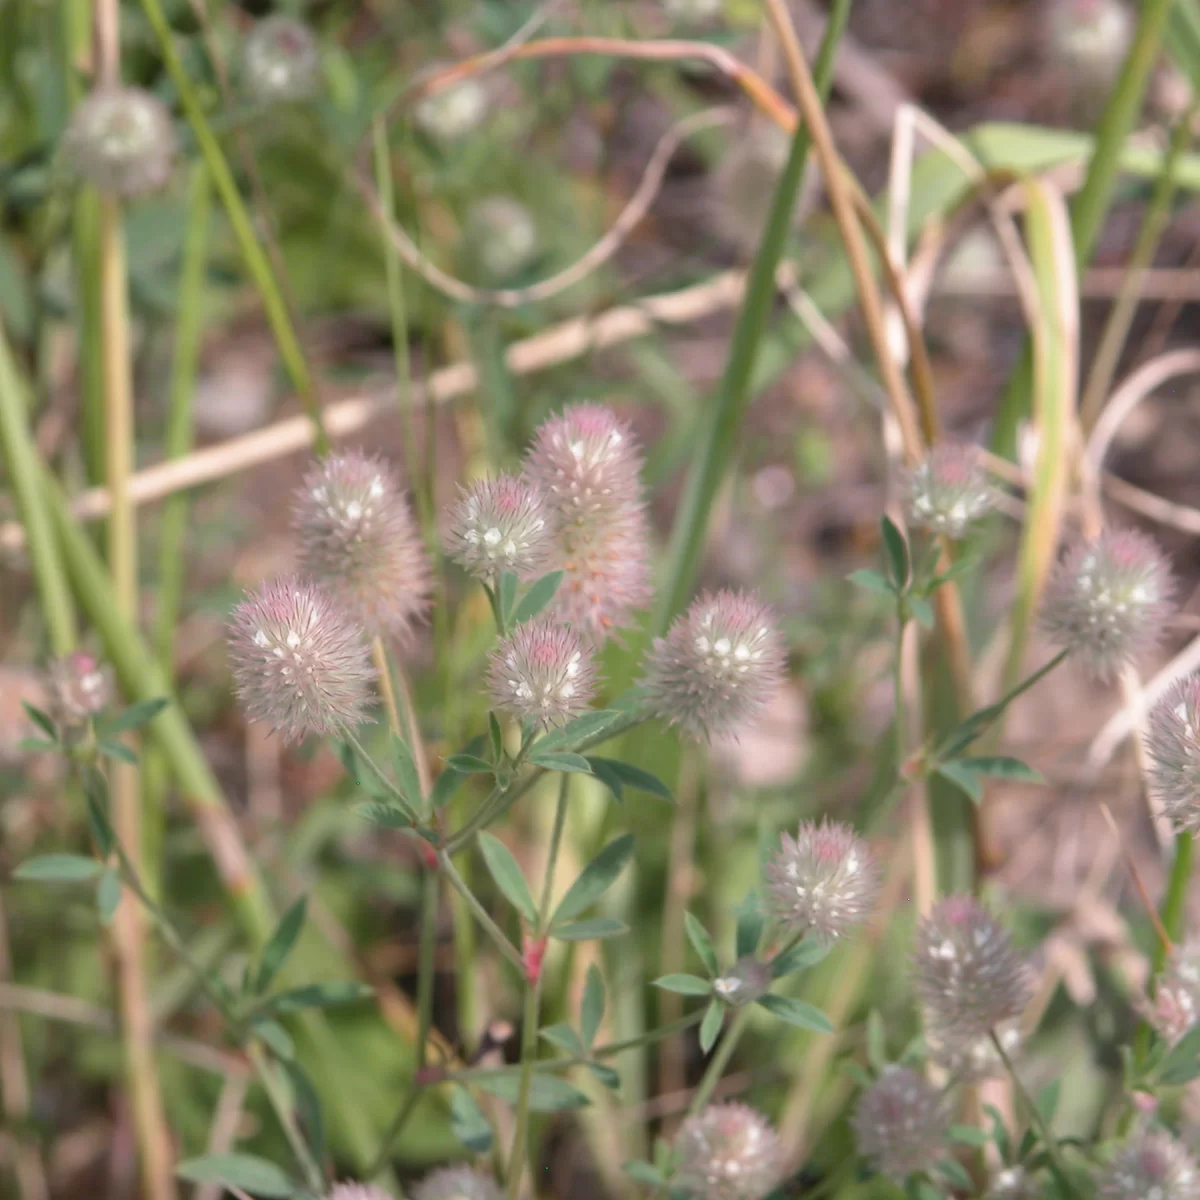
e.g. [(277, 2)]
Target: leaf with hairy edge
[(508, 877), (595, 879), (610, 770), (585, 931), (469, 764), (685, 985), (749, 924), (407, 779), (580, 730), (386, 816), (701, 942)]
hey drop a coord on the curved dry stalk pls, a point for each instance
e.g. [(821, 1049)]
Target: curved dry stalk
[(1152, 506)]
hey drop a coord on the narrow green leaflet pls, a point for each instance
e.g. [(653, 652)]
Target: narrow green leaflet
[(606, 1075), (710, 1027), (801, 956), (1182, 1063), (308, 1107), (58, 868), (495, 737), (685, 985), (645, 1172), (872, 581), (508, 594), (41, 720), (595, 879), (386, 816), (118, 751), (507, 875), (573, 733), (796, 1012), (701, 942), (591, 1010), (616, 775), (539, 595), (749, 924), (896, 552), (134, 717), (590, 930), (561, 760), (407, 779), (469, 764), (547, 1093), (275, 952), (1000, 767), (565, 1038), (968, 1135), (969, 782), (319, 995), (444, 787), (467, 1121), (108, 895), (254, 1175), (275, 1037)]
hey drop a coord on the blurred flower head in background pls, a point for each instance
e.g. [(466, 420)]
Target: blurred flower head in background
[(948, 491), (901, 1123), (281, 61), (121, 140), (727, 1152), (1173, 745), (501, 237)]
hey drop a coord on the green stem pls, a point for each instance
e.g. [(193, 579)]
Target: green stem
[(257, 262), (1174, 906), (360, 750), (425, 964), (394, 1130), (720, 1060), (506, 948)]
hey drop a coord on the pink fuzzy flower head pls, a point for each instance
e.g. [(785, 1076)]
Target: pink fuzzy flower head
[(948, 491), (976, 1058), (122, 141), (822, 881), (1107, 600), (968, 976), (299, 662), (1151, 1164), (356, 537), (1173, 745), (280, 61), (718, 665), (457, 1183), (901, 1123), (1175, 1007), (357, 1191), (727, 1152), (502, 524), (79, 688), (542, 672), (587, 465)]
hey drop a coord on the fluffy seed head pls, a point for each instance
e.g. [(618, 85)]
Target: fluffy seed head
[(900, 1123), (727, 1152), (501, 236), (587, 466), (1152, 1165), (79, 688), (452, 112), (542, 672), (280, 61), (457, 1183), (299, 662), (357, 1191), (1173, 745), (718, 665), (355, 536), (744, 982), (501, 524), (122, 141), (1107, 600), (968, 976), (1175, 1007), (822, 881), (947, 491)]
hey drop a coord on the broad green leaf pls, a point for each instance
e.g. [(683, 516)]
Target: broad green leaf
[(469, 764), (319, 995), (386, 816), (254, 1175), (608, 777), (582, 729), (547, 1093), (551, 760), (407, 779), (134, 717), (608, 769), (801, 956), (749, 924), (275, 952), (685, 985), (595, 879), (540, 594), (274, 1036), (444, 787), (565, 1038), (872, 581), (591, 1010), (108, 895), (710, 1027), (591, 929), (969, 782), (701, 942), (895, 551), (796, 1012), (507, 875), (58, 868), (467, 1121)]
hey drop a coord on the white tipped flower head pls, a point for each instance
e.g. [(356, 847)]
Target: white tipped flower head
[(948, 491), (1175, 1007), (727, 1152), (299, 662), (457, 1183), (1107, 600), (281, 61), (587, 466), (718, 665), (501, 236), (542, 672), (1091, 36), (356, 536), (901, 1123), (79, 688), (452, 112), (822, 881), (502, 524), (122, 141), (968, 976), (1173, 744), (1152, 1165), (974, 1059)]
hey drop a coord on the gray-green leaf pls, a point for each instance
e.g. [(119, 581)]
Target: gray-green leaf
[(595, 879), (507, 875)]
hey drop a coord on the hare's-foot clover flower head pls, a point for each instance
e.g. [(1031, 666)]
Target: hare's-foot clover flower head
[(1173, 744), (822, 881), (718, 665), (501, 236), (457, 1183), (968, 975), (357, 1191), (299, 662), (280, 61), (356, 537), (502, 524), (900, 1123), (947, 491), (542, 672), (727, 1152), (1152, 1165), (79, 688), (452, 112), (587, 466), (744, 982), (1090, 35), (122, 141), (1175, 1007), (976, 1058), (1107, 600)]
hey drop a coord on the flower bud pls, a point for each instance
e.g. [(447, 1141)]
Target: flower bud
[(1107, 600), (1173, 746), (1151, 1164), (299, 662), (356, 537), (542, 673), (501, 237), (457, 1183), (718, 665), (1175, 1007), (947, 491), (968, 976), (900, 1123), (588, 468), (822, 881), (122, 141), (501, 524), (79, 688), (744, 982), (281, 61), (727, 1152), (452, 112)]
